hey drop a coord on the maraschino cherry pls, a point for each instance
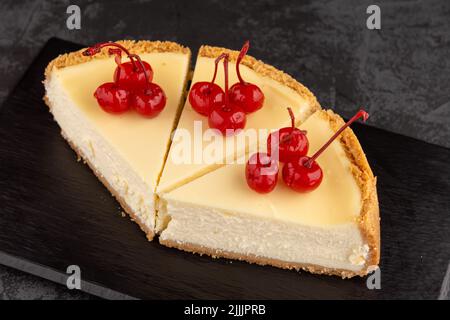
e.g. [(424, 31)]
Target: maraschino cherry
[(304, 173), (226, 109), (290, 141), (227, 117), (150, 100), (261, 172), (204, 95), (112, 98), (244, 94), (130, 74), (132, 86)]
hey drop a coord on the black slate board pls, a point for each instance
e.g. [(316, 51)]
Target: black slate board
[(55, 213)]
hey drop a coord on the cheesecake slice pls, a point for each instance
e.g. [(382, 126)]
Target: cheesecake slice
[(126, 151), (332, 230), (280, 91)]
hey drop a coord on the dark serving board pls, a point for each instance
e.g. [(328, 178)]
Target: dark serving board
[(55, 213)]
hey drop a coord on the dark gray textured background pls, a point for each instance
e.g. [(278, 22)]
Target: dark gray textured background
[(401, 73)]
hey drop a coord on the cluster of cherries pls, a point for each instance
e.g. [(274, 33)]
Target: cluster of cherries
[(132, 87), (300, 172), (226, 109)]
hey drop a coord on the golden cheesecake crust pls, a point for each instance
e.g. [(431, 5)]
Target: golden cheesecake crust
[(137, 47), (369, 218), (264, 70)]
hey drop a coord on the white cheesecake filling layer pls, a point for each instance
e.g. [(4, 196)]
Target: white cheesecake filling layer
[(338, 246), (95, 149)]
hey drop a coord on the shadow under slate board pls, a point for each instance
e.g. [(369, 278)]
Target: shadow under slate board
[(55, 213)]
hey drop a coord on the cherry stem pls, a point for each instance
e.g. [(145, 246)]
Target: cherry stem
[(291, 114), (117, 55), (216, 65), (97, 47), (225, 67), (288, 137), (142, 66), (241, 56), (117, 58), (360, 114)]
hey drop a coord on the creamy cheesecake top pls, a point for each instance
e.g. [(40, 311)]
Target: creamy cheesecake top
[(272, 115), (336, 201)]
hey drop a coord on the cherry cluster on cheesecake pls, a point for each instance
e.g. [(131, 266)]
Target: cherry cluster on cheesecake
[(226, 109), (284, 145), (226, 117), (300, 172), (132, 86)]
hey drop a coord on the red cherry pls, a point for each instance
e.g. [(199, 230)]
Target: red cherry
[(134, 78), (112, 98), (150, 101), (301, 177), (205, 95), (261, 172), (131, 76), (304, 174), (292, 142), (227, 119), (246, 95)]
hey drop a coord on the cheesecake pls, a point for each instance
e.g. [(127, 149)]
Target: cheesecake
[(197, 200), (332, 230), (126, 151), (280, 90)]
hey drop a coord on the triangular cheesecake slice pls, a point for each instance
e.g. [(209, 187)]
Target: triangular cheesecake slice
[(331, 230), (125, 151), (280, 90)]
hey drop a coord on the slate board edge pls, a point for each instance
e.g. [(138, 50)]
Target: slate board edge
[(60, 277)]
